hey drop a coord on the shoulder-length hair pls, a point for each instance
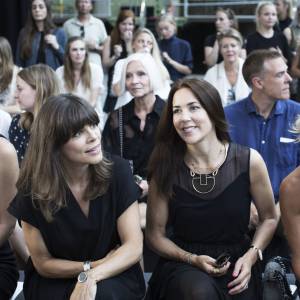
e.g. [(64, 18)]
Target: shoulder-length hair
[(148, 62), (166, 18), (170, 149), (230, 15), (85, 72), (44, 81), (230, 33), (7, 64), (43, 174), (30, 29), (115, 34), (155, 51)]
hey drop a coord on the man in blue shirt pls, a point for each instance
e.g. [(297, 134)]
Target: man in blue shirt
[(263, 120)]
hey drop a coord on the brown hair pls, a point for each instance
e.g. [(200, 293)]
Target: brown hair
[(43, 174), (115, 33), (30, 29), (44, 81), (170, 148), (230, 15), (85, 73), (255, 63), (7, 64)]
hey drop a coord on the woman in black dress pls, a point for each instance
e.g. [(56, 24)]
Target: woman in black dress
[(78, 210), (202, 185), (9, 171)]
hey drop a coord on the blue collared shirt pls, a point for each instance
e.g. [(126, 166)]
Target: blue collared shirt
[(271, 137)]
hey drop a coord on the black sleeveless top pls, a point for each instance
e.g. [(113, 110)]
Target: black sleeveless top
[(218, 218)]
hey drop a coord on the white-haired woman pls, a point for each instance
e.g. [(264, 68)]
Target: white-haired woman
[(143, 41), (130, 130)]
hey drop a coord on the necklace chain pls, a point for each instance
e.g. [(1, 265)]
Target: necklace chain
[(205, 183)]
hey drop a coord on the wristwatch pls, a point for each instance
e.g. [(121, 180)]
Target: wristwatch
[(259, 252), (82, 277), (86, 265)]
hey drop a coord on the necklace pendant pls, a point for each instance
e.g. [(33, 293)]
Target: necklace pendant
[(203, 183)]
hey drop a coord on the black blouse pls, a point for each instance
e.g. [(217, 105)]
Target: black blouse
[(137, 144)]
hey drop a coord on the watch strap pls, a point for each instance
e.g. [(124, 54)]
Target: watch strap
[(258, 251), (86, 266)]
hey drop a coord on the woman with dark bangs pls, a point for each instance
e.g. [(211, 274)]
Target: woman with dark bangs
[(40, 41), (202, 186), (78, 210)]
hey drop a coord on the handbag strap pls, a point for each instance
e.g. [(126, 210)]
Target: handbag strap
[(121, 131)]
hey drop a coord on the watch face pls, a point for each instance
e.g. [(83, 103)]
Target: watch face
[(82, 277)]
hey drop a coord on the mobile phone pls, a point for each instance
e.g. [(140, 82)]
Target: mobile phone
[(222, 260)]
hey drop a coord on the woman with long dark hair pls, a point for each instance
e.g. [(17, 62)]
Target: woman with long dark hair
[(40, 41), (202, 186)]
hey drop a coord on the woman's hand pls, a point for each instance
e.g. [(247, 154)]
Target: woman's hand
[(117, 50), (51, 40), (127, 36), (85, 291), (242, 273), (166, 57), (208, 265), (143, 184)]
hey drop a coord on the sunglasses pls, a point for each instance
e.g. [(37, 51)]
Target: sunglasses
[(82, 33)]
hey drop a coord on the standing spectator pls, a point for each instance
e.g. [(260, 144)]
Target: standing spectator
[(284, 13), (202, 186), (225, 19), (262, 121), (78, 75), (78, 210), (292, 33), (265, 36), (176, 53), (34, 85), (40, 41), (227, 75), (91, 29), (8, 74), (117, 46), (143, 41)]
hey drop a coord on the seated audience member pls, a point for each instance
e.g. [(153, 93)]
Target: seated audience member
[(130, 130), (289, 205), (117, 46), (5, 120), (34, 85), (202, 186), (262, 121), (265, 36), (9, 171), (227, 76), (40, 41), (143, 41), (292, 32), (176, 52), (283, 9), (78, 76), (225, 19), (91, 29), (8, 74), (78, 210)]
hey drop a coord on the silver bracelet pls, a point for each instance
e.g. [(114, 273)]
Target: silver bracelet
[(188, 257)]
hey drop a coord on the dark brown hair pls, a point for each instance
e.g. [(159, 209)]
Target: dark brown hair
[(85, 72), (43, 174), (7, 64), (30, 29), (254, 64), (170, 148)]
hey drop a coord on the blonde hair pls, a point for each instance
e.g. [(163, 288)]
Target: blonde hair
[(230, 15), (155, 52), (43, 80), (167, 18), (231, 33), (7, 64), (259, 8), (85, 72)]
